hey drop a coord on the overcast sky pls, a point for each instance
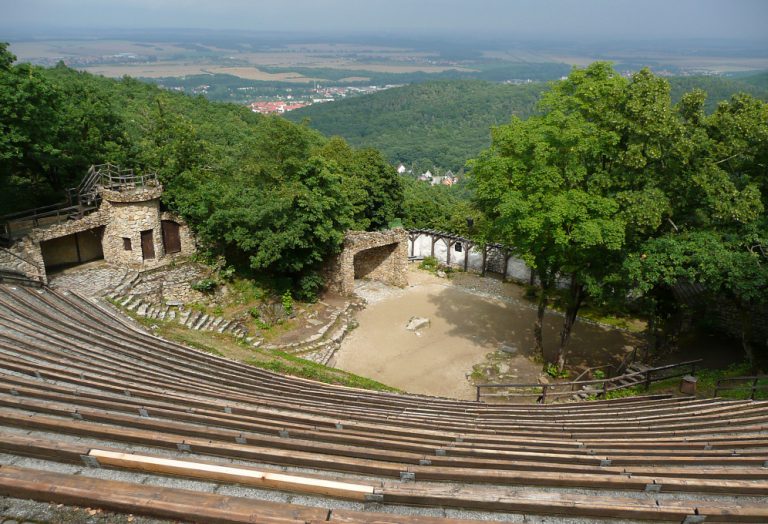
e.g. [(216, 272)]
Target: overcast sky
[(630, 19)]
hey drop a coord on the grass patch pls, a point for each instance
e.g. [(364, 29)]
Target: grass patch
[(706, 382), (288, 364)]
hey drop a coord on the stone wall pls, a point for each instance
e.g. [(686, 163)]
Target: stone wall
[(113, 231), (381, 255), (171, 284), (24, 258)]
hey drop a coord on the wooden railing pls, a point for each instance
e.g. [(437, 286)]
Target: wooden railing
[(598, 387), (80, 200), (111, 176), (9, 277), (751, 384)]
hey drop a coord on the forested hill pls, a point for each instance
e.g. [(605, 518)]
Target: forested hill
[(431, 124), (445, 123)]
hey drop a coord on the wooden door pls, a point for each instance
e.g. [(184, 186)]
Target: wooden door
[(171, 239), (147, 245)]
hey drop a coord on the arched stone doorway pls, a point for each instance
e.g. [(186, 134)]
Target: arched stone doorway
[(378, 255)]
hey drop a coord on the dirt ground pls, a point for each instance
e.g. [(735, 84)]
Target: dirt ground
[(470, 318)]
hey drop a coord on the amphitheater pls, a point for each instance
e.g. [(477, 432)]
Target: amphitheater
[(98, 413)]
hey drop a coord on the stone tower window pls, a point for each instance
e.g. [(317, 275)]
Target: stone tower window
[(126, 244)]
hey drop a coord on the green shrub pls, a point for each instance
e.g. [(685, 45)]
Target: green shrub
[(598, 374), (227, 273), (552, 371), (287, 301), (429, 263), (205, 285), (309, 286)]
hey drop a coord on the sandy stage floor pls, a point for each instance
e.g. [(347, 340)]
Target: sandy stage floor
[(470, 317)]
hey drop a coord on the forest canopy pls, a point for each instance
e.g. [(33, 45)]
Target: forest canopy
[(444, 124)]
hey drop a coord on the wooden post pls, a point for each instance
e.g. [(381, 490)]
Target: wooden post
[(544, 393), (485, 258), (648, 380), (467, 247), (754, 387), (448, 252), (432, 252), (605, 390), (507, 256)]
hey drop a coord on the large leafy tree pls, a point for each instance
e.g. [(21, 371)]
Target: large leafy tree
[(615, 190), (372, 185), (719, 238), (28, 122), (576, 188)]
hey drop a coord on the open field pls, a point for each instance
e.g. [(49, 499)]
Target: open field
[(163, 70), (116, 58), (54, 49), (306, 62)]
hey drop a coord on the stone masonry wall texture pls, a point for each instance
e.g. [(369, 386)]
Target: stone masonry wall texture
[(378, 255)]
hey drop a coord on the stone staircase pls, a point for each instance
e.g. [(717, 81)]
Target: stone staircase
[(321, 346), (177, 312), (630, 378), (629, 381)]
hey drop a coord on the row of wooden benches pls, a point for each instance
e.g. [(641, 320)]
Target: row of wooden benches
[(236, 378), (68, 367)]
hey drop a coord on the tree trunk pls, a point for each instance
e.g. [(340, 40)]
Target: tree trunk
[(539, 324), (746, 336), (571, 312)]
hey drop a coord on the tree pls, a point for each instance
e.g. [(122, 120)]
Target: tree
[(28, 122), (373, 187), (719, 237), (575, 189)]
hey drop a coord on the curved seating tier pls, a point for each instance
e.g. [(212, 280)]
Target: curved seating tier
[(79, 385)]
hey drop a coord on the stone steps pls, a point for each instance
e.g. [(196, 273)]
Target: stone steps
[(322, 346), (191, 319)]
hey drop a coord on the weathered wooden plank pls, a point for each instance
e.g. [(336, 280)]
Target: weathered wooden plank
[(346, 516), (239, 475), (155, 501)]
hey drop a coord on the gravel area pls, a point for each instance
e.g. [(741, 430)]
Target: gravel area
[(470, 319)]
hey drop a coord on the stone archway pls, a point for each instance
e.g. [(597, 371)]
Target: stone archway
[(378, 255)]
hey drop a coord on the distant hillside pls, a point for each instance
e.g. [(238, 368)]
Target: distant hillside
[(759, 80), (445, 123), (719, 88), (434, 124)]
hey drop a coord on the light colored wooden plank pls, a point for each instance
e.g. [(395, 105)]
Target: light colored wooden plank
[(250, 477)]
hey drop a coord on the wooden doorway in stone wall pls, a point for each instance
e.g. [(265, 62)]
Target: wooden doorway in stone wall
[(171, 238), (147, 245)]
